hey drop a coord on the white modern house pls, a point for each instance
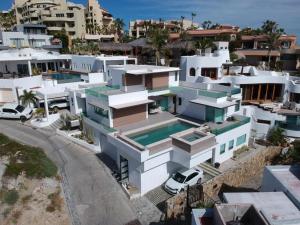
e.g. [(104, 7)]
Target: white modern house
[(95, 67), (28, 36), (151, 125), (270, 98)]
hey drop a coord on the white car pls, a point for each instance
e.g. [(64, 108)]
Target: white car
[(183, 178), (58, 104), (15, 111)]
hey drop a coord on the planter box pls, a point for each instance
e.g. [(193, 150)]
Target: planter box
[(82, 143)]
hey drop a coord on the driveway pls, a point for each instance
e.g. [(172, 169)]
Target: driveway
[(93, 196)]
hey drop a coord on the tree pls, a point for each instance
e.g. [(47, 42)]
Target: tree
[(64, 38), (181, 25), (203, 44), (28, 98), (158, 39), (193, 16), (273, 32), (206, 24), (7, 20), (118, 25), (276, 136)]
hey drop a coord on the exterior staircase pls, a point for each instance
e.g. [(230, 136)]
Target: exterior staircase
[(209, 169), (56, 125)]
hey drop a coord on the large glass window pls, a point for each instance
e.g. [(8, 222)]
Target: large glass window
[(241, 140), (222, 149), (237, 106), (101, 112), (231, 144), (214, 114)]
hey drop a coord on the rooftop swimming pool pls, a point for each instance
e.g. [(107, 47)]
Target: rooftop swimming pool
[(66, 77), (156, 134), (193, 137)]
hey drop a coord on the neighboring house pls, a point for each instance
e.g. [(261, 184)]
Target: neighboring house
[(29, 36), (278, 203), (131, 121), (138, 28), (253, 208), (270, 98), (283, 179)]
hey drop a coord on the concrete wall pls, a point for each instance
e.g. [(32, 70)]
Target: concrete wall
[(242, 172)]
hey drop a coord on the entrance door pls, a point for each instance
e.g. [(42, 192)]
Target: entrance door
[(124, 173)]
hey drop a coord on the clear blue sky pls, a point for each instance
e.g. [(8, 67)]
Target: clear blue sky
[(237, 12)]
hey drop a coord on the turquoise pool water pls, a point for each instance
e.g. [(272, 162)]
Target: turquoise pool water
[(192, 137), (66, 77), (157, 134)]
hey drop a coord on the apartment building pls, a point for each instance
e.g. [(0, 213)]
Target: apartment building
[(97, 17), (255, 50), (133, 120), (29, 36), (138, 28), (76, 19)]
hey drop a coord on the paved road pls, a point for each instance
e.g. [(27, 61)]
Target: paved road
[(93, 196)]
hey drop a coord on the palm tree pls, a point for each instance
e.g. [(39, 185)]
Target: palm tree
[(28, 98), (119, 26), (273, 32), (204, 44), (206, 24), (7, 20), (158, 39), (193, 16), (181, 25)]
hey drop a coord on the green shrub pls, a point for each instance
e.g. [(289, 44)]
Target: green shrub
[(10, 197)]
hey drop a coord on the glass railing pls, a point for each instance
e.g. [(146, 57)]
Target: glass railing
[(212, 94), (235, 91), (158, 89), (108, 129), (231, 126), (101, 92), (287, 126)]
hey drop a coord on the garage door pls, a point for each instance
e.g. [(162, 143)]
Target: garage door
[(6, 95)]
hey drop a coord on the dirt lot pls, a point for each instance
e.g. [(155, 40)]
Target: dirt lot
[(30, 191)]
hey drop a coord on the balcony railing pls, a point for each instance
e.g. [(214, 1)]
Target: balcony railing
[(101, 92), (288, 126), (231, 126), (212, 94)]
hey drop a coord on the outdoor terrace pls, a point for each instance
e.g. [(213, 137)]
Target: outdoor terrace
[(102, 92)]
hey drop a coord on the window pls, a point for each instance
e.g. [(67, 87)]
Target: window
[(191, 177), (222, 149), (9, 111), (179, 101), (237, 106), (192, 72), (241, 140), (101, 112), (176, 76), (264, 121), (231, 144)]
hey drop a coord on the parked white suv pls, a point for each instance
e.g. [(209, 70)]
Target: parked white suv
[(58, 104), (183, 178), (15, 111)]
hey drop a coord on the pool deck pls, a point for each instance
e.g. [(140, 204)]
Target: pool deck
[(152, 119)]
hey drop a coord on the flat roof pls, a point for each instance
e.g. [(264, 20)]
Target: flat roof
[(144, 69), (276, 207), (289, 177), (220, 105)]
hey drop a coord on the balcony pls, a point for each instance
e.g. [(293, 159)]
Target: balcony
[(102, 92), (236, 121)]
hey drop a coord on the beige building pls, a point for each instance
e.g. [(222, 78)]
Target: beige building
[(76, 19), (138, 28), (97, 18)]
